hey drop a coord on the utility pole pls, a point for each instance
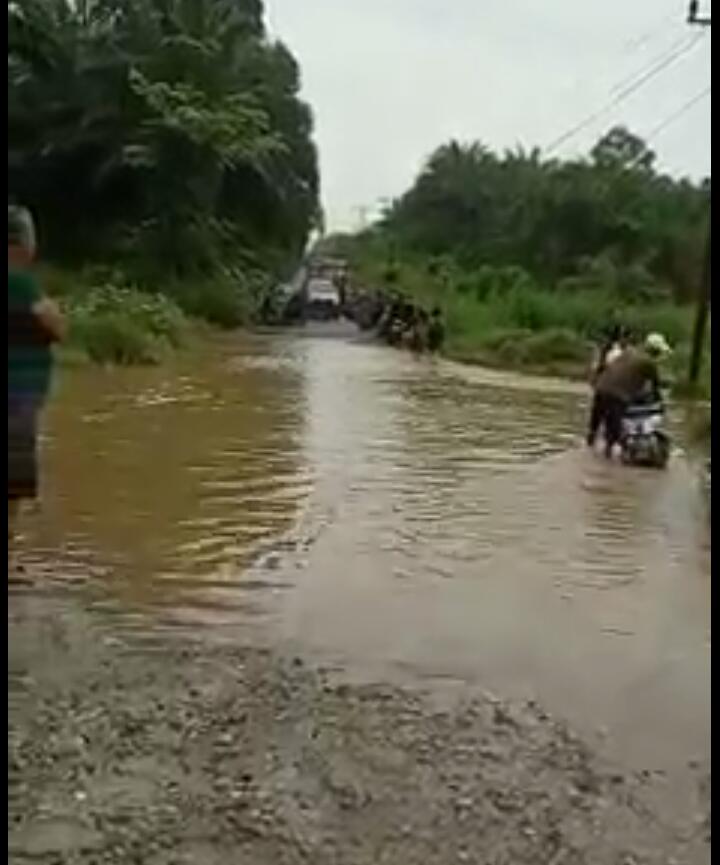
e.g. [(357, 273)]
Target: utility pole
[(704, 289), (694, 16), (701, 316)]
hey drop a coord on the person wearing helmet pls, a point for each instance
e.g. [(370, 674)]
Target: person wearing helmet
[(634, 375)]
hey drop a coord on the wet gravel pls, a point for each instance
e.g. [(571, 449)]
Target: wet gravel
[(165, 750)]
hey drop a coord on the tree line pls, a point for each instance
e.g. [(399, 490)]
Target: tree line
[(165, 134), (610, 218)]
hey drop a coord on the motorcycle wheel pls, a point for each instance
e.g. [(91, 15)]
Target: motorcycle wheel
[(628, 452)]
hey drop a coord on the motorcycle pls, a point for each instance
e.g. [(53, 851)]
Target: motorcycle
[(645, 441)]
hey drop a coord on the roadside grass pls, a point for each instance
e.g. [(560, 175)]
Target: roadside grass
[(124, 326), (114, 321), (501, 317)]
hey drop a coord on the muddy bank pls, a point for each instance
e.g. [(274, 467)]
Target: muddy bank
[(164, 749)]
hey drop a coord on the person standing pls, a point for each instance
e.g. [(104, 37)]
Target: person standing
[(613, 344), (436, 331), (35, 323)]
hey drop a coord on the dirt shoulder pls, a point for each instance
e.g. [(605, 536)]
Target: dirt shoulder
[(124, 748)]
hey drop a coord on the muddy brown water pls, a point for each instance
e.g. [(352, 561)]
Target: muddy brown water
[(397, 516)]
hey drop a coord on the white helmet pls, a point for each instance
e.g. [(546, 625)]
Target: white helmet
[(655, 343)]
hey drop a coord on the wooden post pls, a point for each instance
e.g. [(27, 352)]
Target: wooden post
[(703, 300), (701, 316)]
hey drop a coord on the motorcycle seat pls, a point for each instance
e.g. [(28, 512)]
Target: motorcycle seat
[(644, 409)]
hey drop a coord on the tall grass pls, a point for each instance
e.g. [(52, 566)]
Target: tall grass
[(115, 321), (503, 316), (584, 313), (230, 298), (124, 326)]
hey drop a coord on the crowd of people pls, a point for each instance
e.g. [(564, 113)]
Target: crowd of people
[(399, 321), (408, 325)]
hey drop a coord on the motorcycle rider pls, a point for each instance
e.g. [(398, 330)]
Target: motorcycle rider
[(633, 375)]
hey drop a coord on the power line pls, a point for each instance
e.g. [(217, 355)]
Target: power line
[(679, 112), (668, 121), (658, 58), (645, 37), (623, 94)]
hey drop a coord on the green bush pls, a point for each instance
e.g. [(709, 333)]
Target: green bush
[(489, 281), (229, 299), (673, 321), (628, 283), (216, 301), (124, 326), (496, 340), (557, 345), (523, 347), (501, 314)]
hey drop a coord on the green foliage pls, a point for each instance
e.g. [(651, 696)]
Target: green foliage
[(214, 300), (124, 326), (518, 347), (502, 315), (608, 222), (228, 299), (165, 134), (531, 259), (557, 345), (233, 128), (489, 281)]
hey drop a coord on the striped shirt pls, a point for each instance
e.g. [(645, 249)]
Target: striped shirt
[(30, 358)]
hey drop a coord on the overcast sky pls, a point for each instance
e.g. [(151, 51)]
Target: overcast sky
[(389, 80)]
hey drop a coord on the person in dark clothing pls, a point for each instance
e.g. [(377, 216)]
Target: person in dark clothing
[(632, 376), (418, 335), (607, 411), (401, 324), (611, 348), (389, 316), (436, 331)]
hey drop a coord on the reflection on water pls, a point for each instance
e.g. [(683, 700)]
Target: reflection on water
[(395, 512), (178, 476)]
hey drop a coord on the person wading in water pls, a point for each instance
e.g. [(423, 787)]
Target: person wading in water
[(634, 375), (34, 324)]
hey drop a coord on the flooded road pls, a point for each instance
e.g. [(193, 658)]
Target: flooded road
[(400, 517)]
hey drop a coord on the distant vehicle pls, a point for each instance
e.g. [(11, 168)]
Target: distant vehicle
[(322, 299)]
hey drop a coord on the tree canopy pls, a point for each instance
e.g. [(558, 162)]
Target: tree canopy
[(170, 131), (556, 219)]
